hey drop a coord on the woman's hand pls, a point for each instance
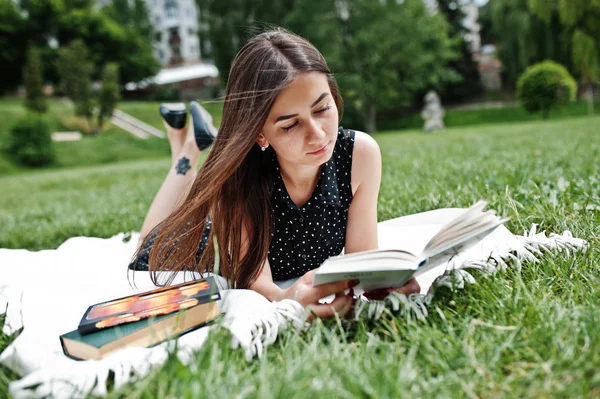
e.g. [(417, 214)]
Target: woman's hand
[(411, 287), (309, 296)]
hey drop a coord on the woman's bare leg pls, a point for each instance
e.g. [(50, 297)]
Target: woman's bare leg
[(184, 157)]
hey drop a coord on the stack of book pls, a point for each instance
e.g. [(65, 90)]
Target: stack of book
[(144, 319)]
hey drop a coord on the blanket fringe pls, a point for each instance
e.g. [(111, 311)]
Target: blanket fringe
[(255, 324), (524, 248)]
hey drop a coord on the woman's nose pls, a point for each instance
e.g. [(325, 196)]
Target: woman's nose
[(315, 133)]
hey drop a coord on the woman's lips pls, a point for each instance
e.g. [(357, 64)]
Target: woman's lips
[(320, 151)]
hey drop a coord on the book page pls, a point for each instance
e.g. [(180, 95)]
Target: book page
[(388, 259), (411, 238), (369, 279), (465, 218), (465, 227), (456, 244)]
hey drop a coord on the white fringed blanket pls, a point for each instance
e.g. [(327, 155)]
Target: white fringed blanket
[(46, 292)]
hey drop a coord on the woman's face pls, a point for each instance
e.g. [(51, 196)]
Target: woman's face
[(302, 124)]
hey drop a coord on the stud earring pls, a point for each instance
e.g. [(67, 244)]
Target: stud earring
[(263, 148)]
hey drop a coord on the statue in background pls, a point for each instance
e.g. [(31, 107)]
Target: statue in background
[(432, 112)]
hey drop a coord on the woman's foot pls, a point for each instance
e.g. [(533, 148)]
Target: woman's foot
[(204, 130), (174, 114), (174, 117)]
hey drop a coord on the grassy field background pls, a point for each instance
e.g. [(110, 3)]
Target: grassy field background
[(528, 334), (115, 145)]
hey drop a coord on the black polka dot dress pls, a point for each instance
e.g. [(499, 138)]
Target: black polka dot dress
[(303, 237)]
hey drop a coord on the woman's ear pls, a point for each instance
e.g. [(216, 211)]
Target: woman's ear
[(262, 141)]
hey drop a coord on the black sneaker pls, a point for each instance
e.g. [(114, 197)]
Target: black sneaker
[(174, 114), (204, 130)]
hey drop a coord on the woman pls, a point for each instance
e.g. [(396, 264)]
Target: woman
[(284, 187)]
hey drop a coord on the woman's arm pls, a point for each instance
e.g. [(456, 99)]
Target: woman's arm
[(307, 295), (361, 228), (265, 286), (303, 291)]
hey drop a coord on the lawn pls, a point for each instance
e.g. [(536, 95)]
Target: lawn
[(528, 334), (113, 145), (116, 145)]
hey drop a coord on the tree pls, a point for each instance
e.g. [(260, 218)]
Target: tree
[(383, 52), (228, 24), (13, 42), (545, 85), (75, 71), (76, 81), (111, 35), (524, 38), (133, 51), (470, 84), (34, 82), (110, 92), (581, 21)]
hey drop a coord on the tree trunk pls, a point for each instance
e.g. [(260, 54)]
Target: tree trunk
[(371, 124), (590, 98)]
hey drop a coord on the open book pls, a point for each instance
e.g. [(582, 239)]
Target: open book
[(383, 268)]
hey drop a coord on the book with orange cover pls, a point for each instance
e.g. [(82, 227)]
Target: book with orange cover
[(158, 302)]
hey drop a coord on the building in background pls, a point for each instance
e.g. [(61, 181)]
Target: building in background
[(176, 40), (176, 46)]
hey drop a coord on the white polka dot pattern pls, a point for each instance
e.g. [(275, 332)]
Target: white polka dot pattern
[(304, 237)]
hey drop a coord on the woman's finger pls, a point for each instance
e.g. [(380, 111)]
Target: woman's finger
[(411, 287), (340, 306), (324, 290), (378, 294)]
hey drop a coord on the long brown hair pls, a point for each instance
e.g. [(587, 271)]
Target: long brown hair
[(234, 185)]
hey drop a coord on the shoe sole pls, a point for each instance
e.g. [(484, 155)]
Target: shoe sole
[(174, 115), (204, 131)]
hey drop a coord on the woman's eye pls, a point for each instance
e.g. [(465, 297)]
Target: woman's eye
[(288, 128), (324, 109)]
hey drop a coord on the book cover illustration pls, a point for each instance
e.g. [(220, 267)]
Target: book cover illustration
[(160, 301)]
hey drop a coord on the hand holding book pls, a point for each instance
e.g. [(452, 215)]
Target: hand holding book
[(385, 268), (411, 287), (308, 295)]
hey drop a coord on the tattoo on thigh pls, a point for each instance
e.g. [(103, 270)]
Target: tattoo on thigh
[(183, 165)]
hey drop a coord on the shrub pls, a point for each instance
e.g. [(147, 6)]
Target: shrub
[(110, 93), (545, 85), (75, 73), (30, 142), (34, 82)]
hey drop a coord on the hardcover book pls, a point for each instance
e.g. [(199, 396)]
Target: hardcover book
[(144, 333), (161, 301), (386, 268)]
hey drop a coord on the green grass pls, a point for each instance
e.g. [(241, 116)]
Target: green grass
[(458, 117), (113, 145), (528, 334)]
